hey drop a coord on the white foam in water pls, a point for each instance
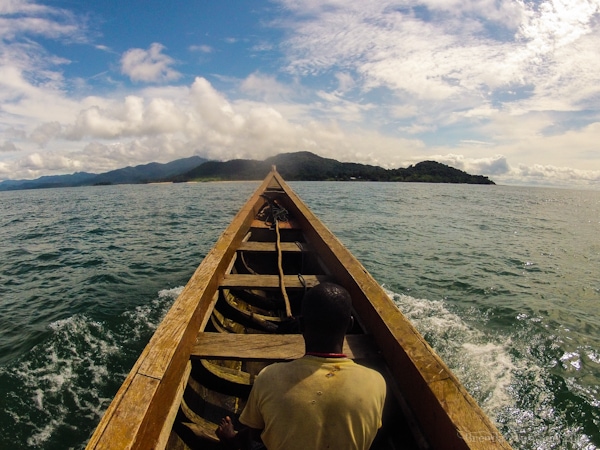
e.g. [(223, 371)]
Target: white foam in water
[(513, 392), (594, 356), (493, 360), (145, 318), (172, 293), (44, 434), (572, 358), (62, 378), (53, 375), (484, 367)]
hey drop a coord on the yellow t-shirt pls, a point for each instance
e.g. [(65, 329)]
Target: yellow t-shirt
[(316, 403)]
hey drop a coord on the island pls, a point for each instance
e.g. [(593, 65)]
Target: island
[(297, 166)]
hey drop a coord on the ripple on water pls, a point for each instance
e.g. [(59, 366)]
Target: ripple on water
[(531, 404), (57, 394)]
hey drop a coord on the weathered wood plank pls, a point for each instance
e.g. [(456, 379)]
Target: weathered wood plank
[(134, 420), (168, 424), (290, 225), (243, 281), (204, 429), (253, 246), (230, 374), (134, 404), (279, 347)]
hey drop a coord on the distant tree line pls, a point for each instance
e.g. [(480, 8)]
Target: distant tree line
[(306, 166), (292, 166)]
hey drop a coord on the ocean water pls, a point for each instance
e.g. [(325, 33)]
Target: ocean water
[(504, 282)]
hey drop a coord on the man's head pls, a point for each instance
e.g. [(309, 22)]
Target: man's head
[(327, 310)]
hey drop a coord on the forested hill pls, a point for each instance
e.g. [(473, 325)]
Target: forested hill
[(310, 167), (145, 173), (292, 166)]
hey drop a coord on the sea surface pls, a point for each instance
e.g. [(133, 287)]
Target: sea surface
[(504, 282)]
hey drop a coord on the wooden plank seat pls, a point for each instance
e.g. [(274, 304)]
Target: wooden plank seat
[(289, 225), (276, 347), (255, 246), (244, 281)]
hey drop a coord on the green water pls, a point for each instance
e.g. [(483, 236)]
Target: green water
[(502, 281)]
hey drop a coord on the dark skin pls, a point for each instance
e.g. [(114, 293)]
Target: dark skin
[(324, 342), (318, 338), (231, 439)]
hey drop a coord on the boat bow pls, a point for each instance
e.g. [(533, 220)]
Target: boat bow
[(233, 318)]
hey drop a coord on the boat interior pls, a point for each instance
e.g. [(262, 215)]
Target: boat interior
[(237, 314), (253, 324)]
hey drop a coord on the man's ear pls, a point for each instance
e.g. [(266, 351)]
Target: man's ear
[(350, 323)]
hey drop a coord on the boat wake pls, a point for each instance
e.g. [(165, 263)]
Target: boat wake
[(483, 366), (57, 392), (516, 392), (54, 396)]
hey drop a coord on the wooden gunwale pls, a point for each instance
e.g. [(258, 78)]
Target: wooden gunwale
[(137, 414), (447, 414), (141, 414)]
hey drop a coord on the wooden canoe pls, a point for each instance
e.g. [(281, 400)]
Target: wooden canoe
[(231, 320)]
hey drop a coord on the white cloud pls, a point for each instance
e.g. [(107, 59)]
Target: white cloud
[(263, 47), (161, 124), (416, 128), (547, 175), (26, 102), (165, 123), (464, 52), (506, 13), (345, 82), (148, 65), (31, 83), (134, 117), (202, 48), (491, 166), (471, 83), (23, 17), (45, 132), (265, 87), (8, 147), (496, 165), (499, 170), (337, 106)]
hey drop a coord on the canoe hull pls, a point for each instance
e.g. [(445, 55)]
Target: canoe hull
[(429, 406)]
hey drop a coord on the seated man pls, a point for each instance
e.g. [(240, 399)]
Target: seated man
[(322, 400)]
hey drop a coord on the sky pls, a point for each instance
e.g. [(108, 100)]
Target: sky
[(504, 88)]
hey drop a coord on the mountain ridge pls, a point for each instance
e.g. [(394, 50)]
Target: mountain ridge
[(296, 166), (306, 166), (143, 173)]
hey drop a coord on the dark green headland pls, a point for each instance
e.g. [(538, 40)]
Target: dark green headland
[(306, 166), (299, 166)]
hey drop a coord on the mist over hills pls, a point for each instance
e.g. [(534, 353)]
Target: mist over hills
[(306, 166), (296, 166), (145, 173)]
